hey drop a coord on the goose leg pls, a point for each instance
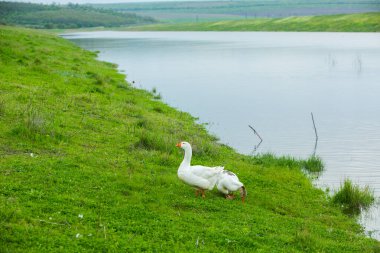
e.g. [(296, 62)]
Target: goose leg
[(197, 192), (203, 193)]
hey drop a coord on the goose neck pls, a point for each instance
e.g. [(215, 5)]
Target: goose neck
[(187, 158)]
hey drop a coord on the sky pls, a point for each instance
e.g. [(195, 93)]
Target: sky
[(89, 1)]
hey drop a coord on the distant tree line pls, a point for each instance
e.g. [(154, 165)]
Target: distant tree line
[(65, 16)]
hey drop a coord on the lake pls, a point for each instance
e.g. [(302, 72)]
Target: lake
[(271, 81)]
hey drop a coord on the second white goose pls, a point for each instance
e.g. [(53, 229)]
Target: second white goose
[(228, 182)]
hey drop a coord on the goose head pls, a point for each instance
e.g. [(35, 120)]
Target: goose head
[(184, 145)]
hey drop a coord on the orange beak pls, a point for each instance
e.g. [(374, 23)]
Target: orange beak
[(178, 144)]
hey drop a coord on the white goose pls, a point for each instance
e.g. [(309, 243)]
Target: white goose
[(228, 182), (201, 177)]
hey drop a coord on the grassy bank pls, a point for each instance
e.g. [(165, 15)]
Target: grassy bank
[(89, 163), (363, 22)]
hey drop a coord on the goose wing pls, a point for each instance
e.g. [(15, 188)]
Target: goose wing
[(205, 172)]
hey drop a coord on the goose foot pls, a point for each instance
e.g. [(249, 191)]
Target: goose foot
[(230, 196), (201, 191)]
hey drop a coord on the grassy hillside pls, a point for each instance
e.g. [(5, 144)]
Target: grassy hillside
[(65, 16), (364, 22), (202, 11), (89, 163)]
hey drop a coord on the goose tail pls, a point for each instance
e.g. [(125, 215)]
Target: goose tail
[(243, 193)]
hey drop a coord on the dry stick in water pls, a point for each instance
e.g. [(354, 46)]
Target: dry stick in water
[(255, 132), (261, 139), (316, 135)]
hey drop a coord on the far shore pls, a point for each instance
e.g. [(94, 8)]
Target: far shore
[(362, 22)]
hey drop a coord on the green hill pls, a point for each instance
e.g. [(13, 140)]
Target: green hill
[(216, 10), (65, 16), (363, 22), (88, 164)]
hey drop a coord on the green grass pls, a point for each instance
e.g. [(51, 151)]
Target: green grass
[(89, 164), (314, 164), (363, 22), (352, 198)]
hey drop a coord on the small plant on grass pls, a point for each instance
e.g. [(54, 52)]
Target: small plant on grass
[(34, 121), (353, 198), (314, 164)]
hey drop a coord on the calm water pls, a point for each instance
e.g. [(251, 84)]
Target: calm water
[(272, 81)]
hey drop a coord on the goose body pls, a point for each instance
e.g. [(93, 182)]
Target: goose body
[(201, 177), (228, 182)]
